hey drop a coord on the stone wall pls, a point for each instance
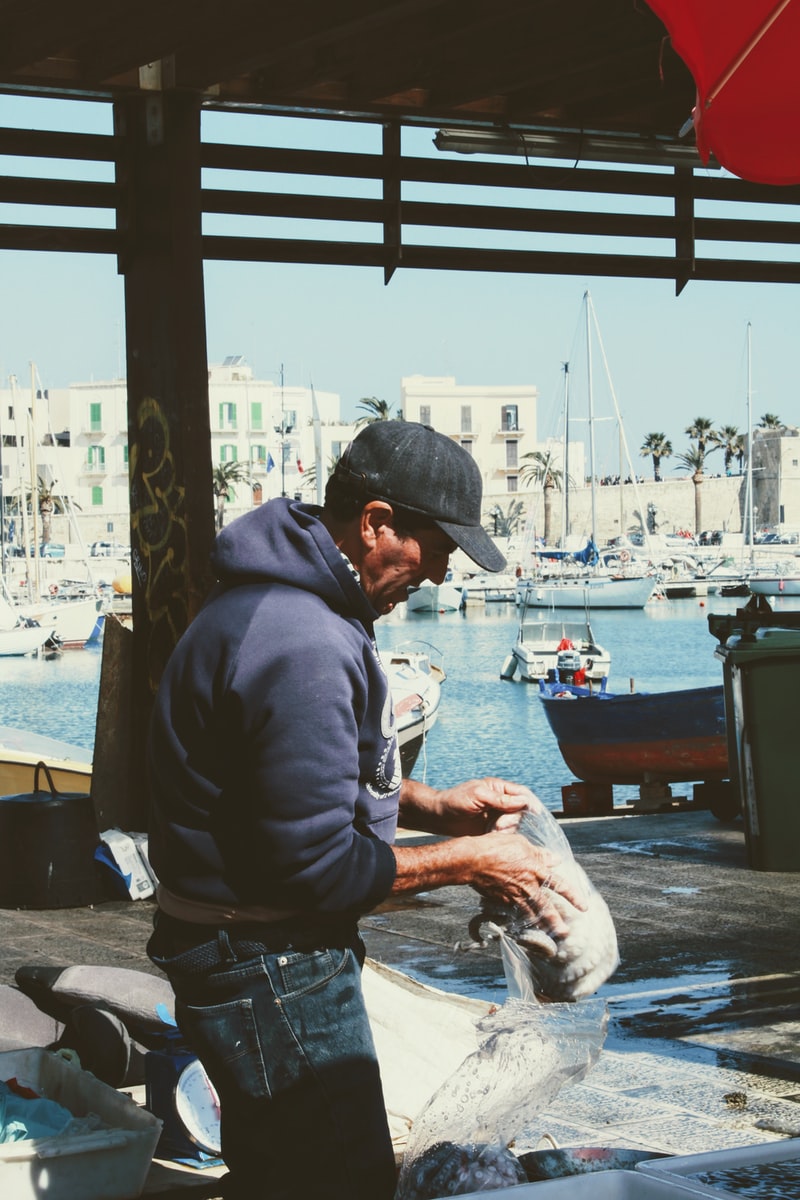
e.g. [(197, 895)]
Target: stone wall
[(618, 506)]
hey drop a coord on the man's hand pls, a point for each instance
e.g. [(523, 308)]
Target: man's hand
[(467, 809)]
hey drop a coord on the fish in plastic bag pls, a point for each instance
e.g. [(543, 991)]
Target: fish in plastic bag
[(527, 1052), (567, 968), (450, 1169)]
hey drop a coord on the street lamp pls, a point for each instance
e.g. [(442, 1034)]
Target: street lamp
[(283, 430)]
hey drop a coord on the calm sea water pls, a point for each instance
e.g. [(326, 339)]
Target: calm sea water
[(486, 725)]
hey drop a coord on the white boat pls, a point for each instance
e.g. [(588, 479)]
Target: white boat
[(489, 588), (415, 676), (776, 584), (76, 620), (545, 646), (436, 597), (19, 635), (587, 591)]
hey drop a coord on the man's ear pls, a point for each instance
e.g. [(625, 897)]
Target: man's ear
[(375, 516)]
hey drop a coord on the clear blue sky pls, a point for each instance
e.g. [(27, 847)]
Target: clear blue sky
[(670, 358)]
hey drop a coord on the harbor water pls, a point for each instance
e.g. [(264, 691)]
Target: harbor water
[(486, 725)]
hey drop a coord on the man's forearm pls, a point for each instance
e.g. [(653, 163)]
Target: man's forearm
[(439, 864), (418, 807)]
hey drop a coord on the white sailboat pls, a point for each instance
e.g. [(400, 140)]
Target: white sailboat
[(73, 620), (581, 581)]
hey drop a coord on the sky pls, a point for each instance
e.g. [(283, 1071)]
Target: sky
[(669, 359)]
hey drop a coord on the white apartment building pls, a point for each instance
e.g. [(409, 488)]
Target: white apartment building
[(278, 432), (495, 424)]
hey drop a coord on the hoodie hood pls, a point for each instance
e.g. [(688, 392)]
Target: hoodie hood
[(285, 542)]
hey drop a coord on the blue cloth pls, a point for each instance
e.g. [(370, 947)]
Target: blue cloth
[(285, 1039)]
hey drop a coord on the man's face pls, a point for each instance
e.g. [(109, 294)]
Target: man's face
[(400, 560)]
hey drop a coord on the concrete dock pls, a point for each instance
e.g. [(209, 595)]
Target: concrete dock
[(703, 1048)]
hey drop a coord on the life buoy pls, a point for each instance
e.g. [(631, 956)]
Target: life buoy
[(624, 556), (53, 589)]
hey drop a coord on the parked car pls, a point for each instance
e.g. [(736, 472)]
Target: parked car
[(46, 550), (109, 550)]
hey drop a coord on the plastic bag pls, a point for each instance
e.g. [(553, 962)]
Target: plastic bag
[(571, 968), (528, 1051)]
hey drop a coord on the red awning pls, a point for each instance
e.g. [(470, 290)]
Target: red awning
[(744, 56)]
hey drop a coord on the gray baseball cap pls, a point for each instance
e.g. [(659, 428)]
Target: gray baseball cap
[(424, 472)]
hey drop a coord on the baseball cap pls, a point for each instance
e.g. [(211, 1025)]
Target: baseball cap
[(425, 472)]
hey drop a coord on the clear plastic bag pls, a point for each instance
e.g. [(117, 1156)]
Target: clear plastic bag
[(571, 968), (527, 1053)]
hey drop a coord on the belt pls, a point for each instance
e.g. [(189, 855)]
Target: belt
[(183, 948)]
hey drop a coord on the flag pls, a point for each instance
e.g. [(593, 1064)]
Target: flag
[(300, 466), (270, 462)]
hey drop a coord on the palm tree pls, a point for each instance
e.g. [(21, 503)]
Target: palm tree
[(657, 446), (224, 476), (540, 470), (693, 461), (504, 524), (375, 409), (702, 431), (770, 421), (728, 439)]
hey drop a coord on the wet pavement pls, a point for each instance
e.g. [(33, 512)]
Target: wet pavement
[(703, 1046)]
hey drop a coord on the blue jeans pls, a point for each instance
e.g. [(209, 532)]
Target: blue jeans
[(285, 1038)]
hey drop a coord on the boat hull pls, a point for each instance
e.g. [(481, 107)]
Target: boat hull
[(672, 737), (776, 585), (20, 750), (588, 593)]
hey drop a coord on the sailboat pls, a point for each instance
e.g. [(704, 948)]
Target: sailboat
[(73, 619), (581, 580)]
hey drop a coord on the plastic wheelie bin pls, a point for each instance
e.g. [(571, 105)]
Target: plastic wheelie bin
[(761, 674)]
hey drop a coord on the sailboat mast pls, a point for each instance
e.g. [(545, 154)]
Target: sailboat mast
[(588, 300), (565, 481), (749, 486)]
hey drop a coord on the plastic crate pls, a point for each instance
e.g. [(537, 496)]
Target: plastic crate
[(772, 1168), (106, 1164), (600, 1185)]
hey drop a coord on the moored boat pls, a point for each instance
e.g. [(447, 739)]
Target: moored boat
[(436, 597), (640, 737), (543, 647), (415, 676), (20, 751), (587, 591)]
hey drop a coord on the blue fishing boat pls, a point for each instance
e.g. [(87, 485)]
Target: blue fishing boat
[(638, 737)]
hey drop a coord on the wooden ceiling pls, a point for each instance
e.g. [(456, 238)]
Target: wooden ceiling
[(575, 64)]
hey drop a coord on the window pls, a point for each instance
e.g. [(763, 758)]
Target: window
[(227, 416), (466, 418), (512, 482), (259, 455), (256, 415), (97, 497), (96, 457), (466, 444), (509, 417), (228, 453), (424, 414), (95, 418), (512, 454)]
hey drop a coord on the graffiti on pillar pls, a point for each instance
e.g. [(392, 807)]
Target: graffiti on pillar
[(158, 519)]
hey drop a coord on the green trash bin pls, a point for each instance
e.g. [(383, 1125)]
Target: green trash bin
[(761, 674)]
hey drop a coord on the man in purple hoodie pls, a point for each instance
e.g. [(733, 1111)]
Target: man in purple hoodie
[(276, 795)]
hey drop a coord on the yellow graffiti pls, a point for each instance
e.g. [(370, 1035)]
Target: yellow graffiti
[(158, 519)]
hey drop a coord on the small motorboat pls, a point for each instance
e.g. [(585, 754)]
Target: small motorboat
[(543, 647)]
